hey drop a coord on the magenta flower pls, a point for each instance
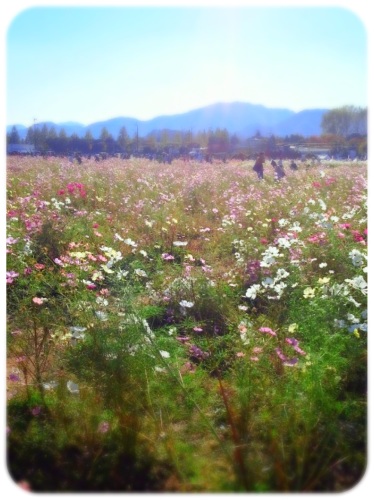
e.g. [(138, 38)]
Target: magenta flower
[(265, 329), (36, 411), (280, 354), (295, 345), (13, 377), (286, 361)]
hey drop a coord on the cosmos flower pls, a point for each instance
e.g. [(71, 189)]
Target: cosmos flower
[(186, 303), (39, 300), (72, 387), (309, 293), (265, 329), (103, 427)]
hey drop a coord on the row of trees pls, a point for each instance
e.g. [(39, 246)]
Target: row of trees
[(46, 138), (343, 129)]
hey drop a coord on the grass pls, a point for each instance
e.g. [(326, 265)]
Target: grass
[(186, 327)]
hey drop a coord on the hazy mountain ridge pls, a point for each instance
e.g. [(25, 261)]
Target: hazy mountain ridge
[(243, 119)]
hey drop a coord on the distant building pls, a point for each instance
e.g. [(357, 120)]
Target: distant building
[(20, 149)]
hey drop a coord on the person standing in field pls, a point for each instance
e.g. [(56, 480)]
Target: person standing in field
[(279, 171), (259, 165), (293, 165)]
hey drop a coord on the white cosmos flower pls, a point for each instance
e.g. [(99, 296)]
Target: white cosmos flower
[(130, 242), (252, 291), (284, 243), (122, 274), (279, 287), (101, 315), (186, 303), (357, 258), (101, 301), (267, 282), (281, 273), (359, 283), (106, 269), (165, 354), (50, 385), (159, 369), (283, 222), (351, 299), (140, 272), (352, 318), (72, 387)]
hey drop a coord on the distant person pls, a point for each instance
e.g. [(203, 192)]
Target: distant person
[(258, 167), (273, 163), (279, 171), (293, 165)]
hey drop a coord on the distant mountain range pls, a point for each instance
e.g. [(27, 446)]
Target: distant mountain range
[(243, 119)]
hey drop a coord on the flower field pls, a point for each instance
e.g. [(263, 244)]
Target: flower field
[(186, 327)]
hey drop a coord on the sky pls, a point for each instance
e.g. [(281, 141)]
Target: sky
[(92, 63)]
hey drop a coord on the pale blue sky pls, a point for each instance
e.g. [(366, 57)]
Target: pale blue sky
[(93, 63)]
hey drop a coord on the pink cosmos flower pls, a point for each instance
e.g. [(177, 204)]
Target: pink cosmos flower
[(167, 256), (265, 329), (36, 411), (39, 300), (11, 240), (10, 276), (103, 427), (242, 328)]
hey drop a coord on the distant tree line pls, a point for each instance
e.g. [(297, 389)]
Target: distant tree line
[(343, 129)]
